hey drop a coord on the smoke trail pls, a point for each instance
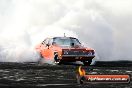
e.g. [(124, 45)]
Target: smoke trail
[(101, 24)]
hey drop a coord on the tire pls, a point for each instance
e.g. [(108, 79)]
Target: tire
[(56, 60), (41, 56), (40, 59), (87, 63)]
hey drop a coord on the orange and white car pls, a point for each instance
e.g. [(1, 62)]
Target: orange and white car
[(65, 49)]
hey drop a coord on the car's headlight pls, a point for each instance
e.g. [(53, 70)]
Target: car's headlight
[(89, 53), (65, 52)]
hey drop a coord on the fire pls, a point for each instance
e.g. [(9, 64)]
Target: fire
[(80, 75), (81, 71)]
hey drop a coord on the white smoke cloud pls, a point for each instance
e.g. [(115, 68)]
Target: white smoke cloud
[(104, 25)]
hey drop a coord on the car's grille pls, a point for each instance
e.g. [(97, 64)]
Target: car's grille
[(79, 52)]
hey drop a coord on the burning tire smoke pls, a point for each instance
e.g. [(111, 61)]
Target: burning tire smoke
[(104, 25)]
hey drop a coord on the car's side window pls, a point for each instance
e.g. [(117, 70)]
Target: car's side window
[(47, 41), (50, 41), (44, 42)]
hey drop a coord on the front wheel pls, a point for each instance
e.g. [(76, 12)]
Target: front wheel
[(56, 59), (87, 63)]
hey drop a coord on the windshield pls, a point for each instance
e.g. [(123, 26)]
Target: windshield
[(66, 41)]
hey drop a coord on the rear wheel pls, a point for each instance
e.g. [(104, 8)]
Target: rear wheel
[(40, 59), (87, 63)]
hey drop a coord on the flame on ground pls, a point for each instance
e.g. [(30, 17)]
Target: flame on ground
[(81, 71)]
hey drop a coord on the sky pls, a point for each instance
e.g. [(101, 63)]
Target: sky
[(104, 25)]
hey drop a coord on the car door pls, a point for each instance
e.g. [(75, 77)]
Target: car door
[(47, 51), (40, 46)]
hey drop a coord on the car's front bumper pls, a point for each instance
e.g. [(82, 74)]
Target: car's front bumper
[(71, 58)]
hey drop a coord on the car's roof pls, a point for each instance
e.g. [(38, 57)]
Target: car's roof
[(65, 37)]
